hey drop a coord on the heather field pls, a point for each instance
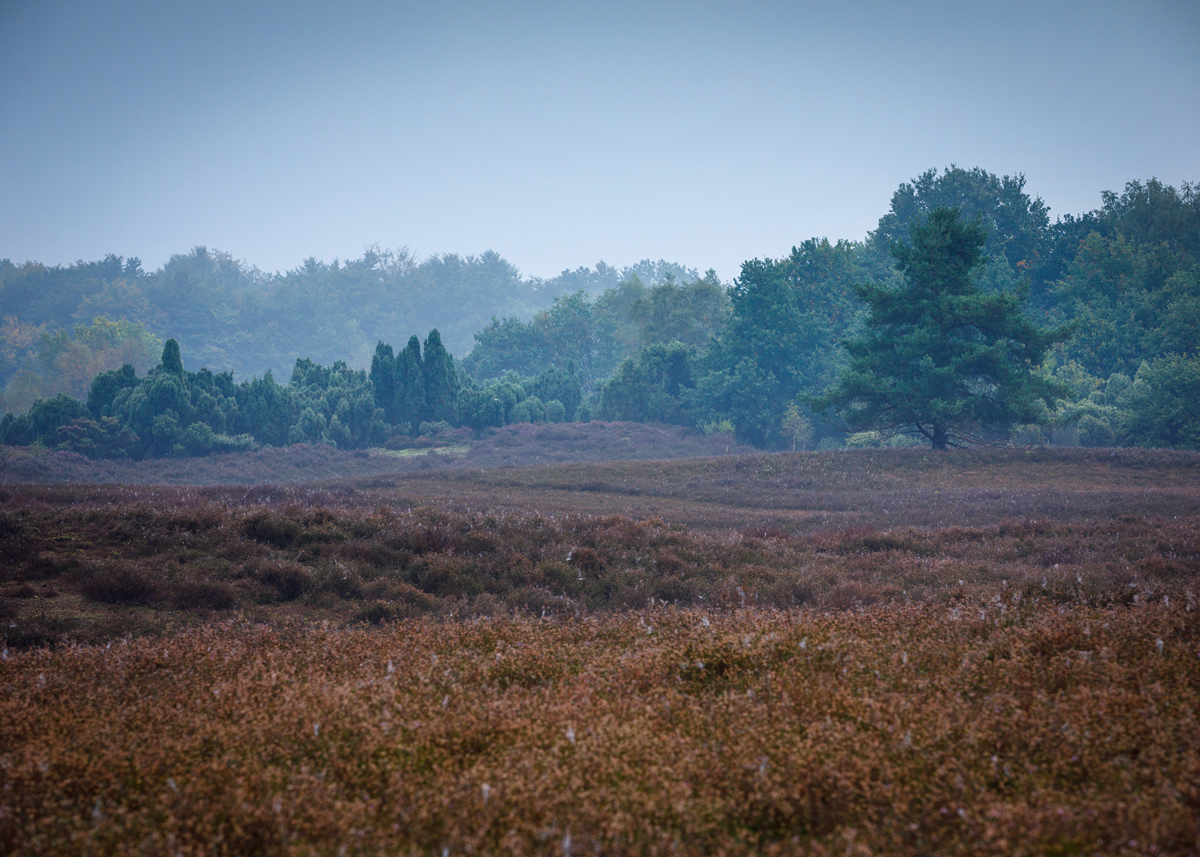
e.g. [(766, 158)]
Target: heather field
[(873, 652)]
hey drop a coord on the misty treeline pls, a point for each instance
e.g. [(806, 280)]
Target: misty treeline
[(230, 317), (656, 342)]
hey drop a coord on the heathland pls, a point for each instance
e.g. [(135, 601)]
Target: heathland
[(870, 651)]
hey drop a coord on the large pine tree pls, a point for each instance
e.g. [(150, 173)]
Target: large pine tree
[(940, 357)]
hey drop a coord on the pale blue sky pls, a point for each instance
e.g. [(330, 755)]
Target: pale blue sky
[(559, 134)]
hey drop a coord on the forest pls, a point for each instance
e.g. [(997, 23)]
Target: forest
[(1079, 331)]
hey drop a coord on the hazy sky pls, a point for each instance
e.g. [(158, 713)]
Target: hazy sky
[(562, 133)]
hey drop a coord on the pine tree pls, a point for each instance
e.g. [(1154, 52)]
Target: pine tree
[(940, 357)]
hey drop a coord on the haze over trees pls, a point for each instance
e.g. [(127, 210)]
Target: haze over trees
[(657, 342)]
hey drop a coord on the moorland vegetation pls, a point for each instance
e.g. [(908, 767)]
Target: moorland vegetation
[(875, 651)]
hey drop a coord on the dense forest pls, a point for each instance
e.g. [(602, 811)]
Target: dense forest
[(1111, 296)]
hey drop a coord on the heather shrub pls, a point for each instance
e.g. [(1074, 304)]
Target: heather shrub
[(271, 528), (205, 595), (120, 585), (376, 613), (339, 580), (288, 579)]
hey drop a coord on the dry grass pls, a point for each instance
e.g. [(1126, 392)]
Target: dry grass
[(516, 445), (78, 564), (754, 657), (975, 728)]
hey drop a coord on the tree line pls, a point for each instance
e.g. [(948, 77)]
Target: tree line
[(231, 317), (965, 316)]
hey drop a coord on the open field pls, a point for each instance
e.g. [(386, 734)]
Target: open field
[(511, 446), (871, 652)]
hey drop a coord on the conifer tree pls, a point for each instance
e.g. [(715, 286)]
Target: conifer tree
[(408, 385), (441, 380), (171, 360), (940, 357), (383, 370)]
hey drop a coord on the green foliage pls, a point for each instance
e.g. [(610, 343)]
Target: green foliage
[(409, 386), (66, 363), (105, 387), (1162, 405), (232, 317), (383, 370), (940, 357), (558, 384), (654, 341), (555, 411), (690, 313), (105, 439), (797, 426), (267, 411), (171, 361), (441, 381), (653, 302), (1016, 225), (43, 421), (780, 339), (649, 387)]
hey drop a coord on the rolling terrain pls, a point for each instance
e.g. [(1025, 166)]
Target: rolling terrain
[(875, 651)]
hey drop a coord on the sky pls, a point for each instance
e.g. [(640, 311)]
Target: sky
[(562, 133)]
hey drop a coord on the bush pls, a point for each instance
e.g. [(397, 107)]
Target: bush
[(433, 429), (198, 439), (206, 595), (1096, 431), (290, 580), (270, 528), (520, 413), (120, 586)]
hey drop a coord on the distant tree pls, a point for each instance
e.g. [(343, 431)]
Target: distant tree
[(797, 426), (441, 380), (307, 429), (1017, 225), (105, 388), (48, 415), (383, 380), (558, 384), (555, 412), (690, 313), (941, 357), (172, 361), (1163, 404), (267, 410), (757, 363), (409, 387), (649, 387)]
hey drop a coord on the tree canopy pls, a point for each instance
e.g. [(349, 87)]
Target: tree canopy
[(940, 348), (940, 357)]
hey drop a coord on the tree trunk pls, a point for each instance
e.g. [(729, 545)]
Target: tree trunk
[(939, 437)]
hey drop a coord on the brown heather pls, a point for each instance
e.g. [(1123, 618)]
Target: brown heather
[(901, 729), (881, 652)]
